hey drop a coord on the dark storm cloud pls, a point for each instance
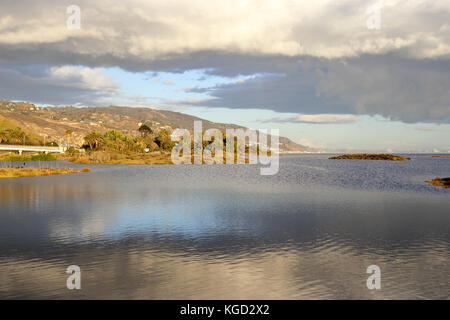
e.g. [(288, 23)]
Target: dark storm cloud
[(394, 87)]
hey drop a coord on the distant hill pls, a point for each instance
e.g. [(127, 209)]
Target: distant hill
[(53, 122)]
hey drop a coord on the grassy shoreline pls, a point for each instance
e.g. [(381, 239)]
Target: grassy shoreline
[(101, 157), (36, 172), (114, 158), (32, 157)]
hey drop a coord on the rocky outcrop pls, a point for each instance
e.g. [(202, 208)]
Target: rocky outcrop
[(364, 156), (440, 182)]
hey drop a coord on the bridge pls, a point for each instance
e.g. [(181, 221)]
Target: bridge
[(20, 149)]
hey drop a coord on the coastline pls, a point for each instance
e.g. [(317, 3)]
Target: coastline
[(105, 158), (6, 173)]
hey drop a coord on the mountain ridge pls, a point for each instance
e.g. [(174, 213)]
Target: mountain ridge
[(51, 123)]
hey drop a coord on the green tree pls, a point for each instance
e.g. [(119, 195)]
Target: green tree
[(145, 130), (17, 136), (163, 140), (115, 140), (68, 135), (3, 136), (94, 140), (150, 143)]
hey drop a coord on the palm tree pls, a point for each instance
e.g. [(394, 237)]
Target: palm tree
[(3, 137), (145, 130), (68, 135), (94, 140), (17, 136)]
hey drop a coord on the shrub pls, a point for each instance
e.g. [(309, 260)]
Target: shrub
[(17, 158), (72, 151), (43, 157), (164, 141)]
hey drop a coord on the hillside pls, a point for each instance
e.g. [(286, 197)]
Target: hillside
[(51, 123)]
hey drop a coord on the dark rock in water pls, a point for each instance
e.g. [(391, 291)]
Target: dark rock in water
[(440, 182), (364, 156)]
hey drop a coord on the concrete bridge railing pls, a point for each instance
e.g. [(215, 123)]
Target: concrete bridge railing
[(20, 148)]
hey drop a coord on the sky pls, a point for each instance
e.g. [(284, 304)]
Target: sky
[(344, 75)]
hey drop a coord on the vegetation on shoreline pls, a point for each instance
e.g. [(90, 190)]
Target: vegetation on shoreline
[(102, 157), (35, 172), (114, 147), (440, 182), (20, 158), (145, 146), (115, 141), (364, 156), (16, 135), (11, 133)]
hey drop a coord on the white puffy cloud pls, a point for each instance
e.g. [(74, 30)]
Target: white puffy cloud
[(144, 31), (88, 78), (316, 57), (56, 85), (315, 144)]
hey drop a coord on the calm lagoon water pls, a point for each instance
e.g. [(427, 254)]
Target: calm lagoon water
[(224, 231)]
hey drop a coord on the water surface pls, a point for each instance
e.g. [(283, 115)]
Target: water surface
[(224, 231)]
